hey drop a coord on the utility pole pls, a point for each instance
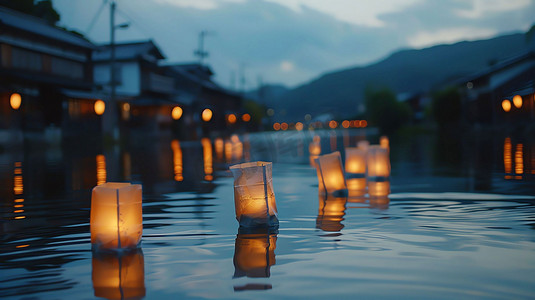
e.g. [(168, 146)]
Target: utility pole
[(113, 106), (200, 52)]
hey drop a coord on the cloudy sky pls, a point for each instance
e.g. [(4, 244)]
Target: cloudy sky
[(294, 41)]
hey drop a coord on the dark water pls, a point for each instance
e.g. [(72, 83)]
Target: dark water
[(459, 223)]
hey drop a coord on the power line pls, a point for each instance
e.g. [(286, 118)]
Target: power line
[(95, 17)]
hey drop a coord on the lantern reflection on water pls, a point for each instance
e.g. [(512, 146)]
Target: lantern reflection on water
[(331, 179), (177, 160), (314, 150), (119, 276), (208, 159), (331, 213), (254, 254), (378, 188), (254, 198), (116, 216)]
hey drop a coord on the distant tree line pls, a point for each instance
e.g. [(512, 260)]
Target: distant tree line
[(41, 9)]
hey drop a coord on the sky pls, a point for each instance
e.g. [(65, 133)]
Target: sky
[(292, 42)]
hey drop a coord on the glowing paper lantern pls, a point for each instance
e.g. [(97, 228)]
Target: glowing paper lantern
[(506, 105), (99, 107), (517, 101), (331, 179), (119, 276), (254, 254), (176, 113), (331, 213), (355, 168), (116, 217), (384, 142), (378, 163), (15, 101), (254, 198), (206, 115), (314, 149)]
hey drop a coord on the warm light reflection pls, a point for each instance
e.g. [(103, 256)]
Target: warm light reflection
[(219, 147), (116, 220), (208, 159), (125, 112), (276, 126), (381, 203), (119, 276), (18, 190), (101, 169), (519, 160), (177, 160), (284, 126), (206, 115), (15, 100), (228, 151), (314, 150), (355, 167), (231, 118), (506, 105), (127, 166), (237, 147), (22, 246), (378, 188), (254, 254), (176, 113), (507, 157), (99, 107), (331, 213), (246, 117), (254, 198), (345, 124), (299, 126), (331, 178), (363, 123), (517, 101)]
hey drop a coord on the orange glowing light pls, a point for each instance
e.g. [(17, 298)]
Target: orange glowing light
[(228, 150), (206, 115), (506, 105), (299, 126), (101, 169), (384, 142), (331, 179), (99, 107), (363, 123), (517, 101), (15, 101), (176, 113), (19, 200), (345, 124), (177, 160), (219, 146), (284, 126), (277, 126), (331, 213), (333, 124), (231, 118), (22, 246), (20, 217), (116, 219), (254, 254), (246, 117)]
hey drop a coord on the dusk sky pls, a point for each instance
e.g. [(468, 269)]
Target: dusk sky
[(294, 41)]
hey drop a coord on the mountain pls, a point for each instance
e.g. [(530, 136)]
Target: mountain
[(268, 91), (406, 71)]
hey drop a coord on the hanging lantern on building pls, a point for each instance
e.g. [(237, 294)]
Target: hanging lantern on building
[(116, 217), (99, 107), (206, 115), (331, 179), (176, 113), (254, 198), (254, 254), (119, 275), (15, 100)]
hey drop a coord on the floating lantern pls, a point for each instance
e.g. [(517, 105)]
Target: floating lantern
[(331, 213), (384, 142), (314, 149), (119, 276), (355, 168), (378, 163), (254, 198), (116, 218), (15, 100), (364, 145), (254, 254), (331, 178)]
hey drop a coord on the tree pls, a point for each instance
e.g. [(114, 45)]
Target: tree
[(446, 106), (384, 111), (41, 9)]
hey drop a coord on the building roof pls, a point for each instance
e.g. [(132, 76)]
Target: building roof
[(198, 74), (128, 51), (40, 27)]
